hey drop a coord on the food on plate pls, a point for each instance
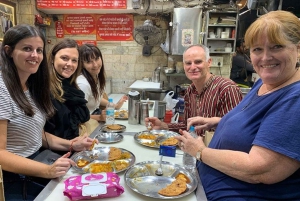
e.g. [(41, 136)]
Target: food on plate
[(125, 155), (121, 114), (81, 163), (177, 187), (170, 142), (121, 165), (114, 127), (151, 144), (114, 154), (147, 136), (92, 146), (100, 167), (183, 177)]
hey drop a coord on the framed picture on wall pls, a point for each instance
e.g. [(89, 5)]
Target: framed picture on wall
[(7, 16)]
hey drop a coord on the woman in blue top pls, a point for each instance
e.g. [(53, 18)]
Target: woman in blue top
[(255, 151)]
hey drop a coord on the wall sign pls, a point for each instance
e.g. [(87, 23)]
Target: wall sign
[(83, 24), (114, 27), (59, 29), (82, 42), (71, 4)]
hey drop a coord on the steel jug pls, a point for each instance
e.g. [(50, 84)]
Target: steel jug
[(156, 75), (134, 107)]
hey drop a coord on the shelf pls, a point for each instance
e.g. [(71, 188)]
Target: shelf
[(221, 25), (222, 39), (175, 74)]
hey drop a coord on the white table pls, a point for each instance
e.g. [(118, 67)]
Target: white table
[(54, 190), (143, 86)]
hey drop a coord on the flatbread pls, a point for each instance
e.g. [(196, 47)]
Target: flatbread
[(114, 154), (114, 127), (170, 142), (177, 187)]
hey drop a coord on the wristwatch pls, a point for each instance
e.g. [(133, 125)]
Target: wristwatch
[(199, 154)]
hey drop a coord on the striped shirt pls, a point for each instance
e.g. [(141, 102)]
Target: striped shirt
[(218, 97), (24, 133)]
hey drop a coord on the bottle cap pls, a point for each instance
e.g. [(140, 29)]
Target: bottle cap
[(110, 100), (192, 128)]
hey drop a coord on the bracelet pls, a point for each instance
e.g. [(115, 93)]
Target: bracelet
[(71, 146)]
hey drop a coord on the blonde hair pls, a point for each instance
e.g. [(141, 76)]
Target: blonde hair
[(280, 26)]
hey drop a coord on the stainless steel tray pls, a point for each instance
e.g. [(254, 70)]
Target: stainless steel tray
[(109, 137), (161, 135), (141, 178), (105, 129), (121, 114), (100, 155)]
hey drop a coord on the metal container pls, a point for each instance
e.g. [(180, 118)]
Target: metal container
[(134, 107), (160, 109), (144, 112), (156, 75)]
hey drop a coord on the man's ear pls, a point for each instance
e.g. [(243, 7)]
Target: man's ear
[(7, 50)]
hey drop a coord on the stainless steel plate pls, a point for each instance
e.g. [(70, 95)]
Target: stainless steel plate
[(160, 135), (109, 137), (105, 129), (121, 114), (100, 155), (141, 178)]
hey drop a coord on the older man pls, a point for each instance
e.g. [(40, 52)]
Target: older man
[(208, 95)]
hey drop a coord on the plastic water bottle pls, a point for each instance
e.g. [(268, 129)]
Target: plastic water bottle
[(189, 162), (110, 112)]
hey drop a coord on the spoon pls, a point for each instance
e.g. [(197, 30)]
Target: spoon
[(159, 171), (149, 127)]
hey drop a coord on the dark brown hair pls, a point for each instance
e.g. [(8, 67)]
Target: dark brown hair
[(56, 80), (38, 83), (88, 52)]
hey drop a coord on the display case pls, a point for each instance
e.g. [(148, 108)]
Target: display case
[(220, 31)]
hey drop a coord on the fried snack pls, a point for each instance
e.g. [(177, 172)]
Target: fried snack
[(170, 142), (183, 177), (81, 163), (175, 188), (121, 165), (121, 114), (100, 167), (147, 136), (114, 154), (114, 127), (92, 146)]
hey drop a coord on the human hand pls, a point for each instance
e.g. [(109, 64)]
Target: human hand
[(83, 143), (155, 123), (188, 143), (202, 123), (121, 102), (61, 166)]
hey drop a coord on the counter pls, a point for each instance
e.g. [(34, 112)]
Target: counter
[(54, 190), (143, 86)]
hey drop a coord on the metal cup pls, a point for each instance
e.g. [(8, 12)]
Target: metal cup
[(144, 113)]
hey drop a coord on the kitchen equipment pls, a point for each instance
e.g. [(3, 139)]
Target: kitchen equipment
[(169, 70), (156, 75), (156, 95), (141, 178), (186, 26), (133, 107), (180, 89), (144, 113), (160, 109), (219, 32)]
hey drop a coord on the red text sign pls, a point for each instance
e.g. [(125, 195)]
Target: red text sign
[(71, 4), (59, 29), (114, 27), (79, 24)]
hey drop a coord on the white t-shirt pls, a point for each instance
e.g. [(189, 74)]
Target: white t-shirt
[(24, 133), (84, 85)]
